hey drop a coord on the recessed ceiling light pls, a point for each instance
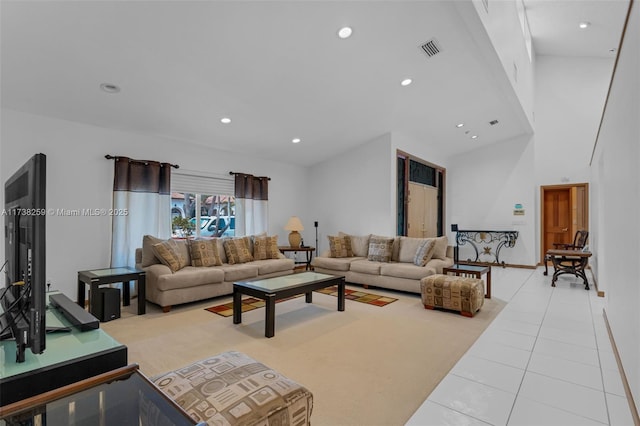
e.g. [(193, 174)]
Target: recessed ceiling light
[(584, 25), (225, 120), (474, 137), (109, 88), (295, 140), (459, 125), (345, 32), (406, 82)]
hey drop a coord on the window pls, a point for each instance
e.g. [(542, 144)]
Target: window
[(201, 205)]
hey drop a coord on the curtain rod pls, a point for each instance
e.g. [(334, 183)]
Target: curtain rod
[(111, 157), (259, 177)]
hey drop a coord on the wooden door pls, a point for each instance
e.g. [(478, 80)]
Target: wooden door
[(422, 211), (557, 217)]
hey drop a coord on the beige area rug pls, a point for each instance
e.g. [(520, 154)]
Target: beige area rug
[(364, 366)]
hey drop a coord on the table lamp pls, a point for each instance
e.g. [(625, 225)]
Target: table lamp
[(294, 225)]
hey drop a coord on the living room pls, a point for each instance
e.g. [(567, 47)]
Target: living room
[(344, 181)]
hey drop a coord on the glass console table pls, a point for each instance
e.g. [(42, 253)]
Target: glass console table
[(120, 397)]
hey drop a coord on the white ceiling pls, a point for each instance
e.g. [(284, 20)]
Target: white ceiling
[(277, 69)]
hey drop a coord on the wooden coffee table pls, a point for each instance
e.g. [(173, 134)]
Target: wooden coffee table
[(272, 289), (475, 271)]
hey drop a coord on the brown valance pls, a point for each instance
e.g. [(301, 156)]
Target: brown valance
[(141, 175), (251, 187)]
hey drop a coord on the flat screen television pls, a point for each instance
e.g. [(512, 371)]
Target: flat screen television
[(24, 301)]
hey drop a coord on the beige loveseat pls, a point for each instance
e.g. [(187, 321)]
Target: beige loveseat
[(170, 283), (402, 270)]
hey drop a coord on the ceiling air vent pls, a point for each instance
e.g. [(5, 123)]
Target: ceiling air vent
[(431, 47)]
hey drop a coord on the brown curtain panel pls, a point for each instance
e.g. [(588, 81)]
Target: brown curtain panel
[(141, 206), (252, 194)]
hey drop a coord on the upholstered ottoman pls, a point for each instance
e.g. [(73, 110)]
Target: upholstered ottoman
[(233, 389), (462, 294)]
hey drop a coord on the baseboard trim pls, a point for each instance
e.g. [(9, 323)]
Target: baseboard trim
[(600, 293), (497, 265), (623, 376)]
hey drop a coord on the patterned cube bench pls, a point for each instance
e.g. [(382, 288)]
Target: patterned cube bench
[(462, 294), (233, 389)]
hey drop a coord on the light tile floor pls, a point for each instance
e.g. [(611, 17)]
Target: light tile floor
[(545, 360)]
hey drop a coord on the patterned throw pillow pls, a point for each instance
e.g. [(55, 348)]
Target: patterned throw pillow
[(174, 254), (425, 252), (204, 253), (148, 257), (380, 249), (265, 248), (237, 250), (340, 246), (359, 244)]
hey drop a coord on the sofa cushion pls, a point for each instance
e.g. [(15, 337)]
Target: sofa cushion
[(340, 246), (173, 253), (148, 256), (269, 266), (425, 252), (221, 252), (359, 244), (189, 276), (380, 249), (239, 272), (404, 270), (333, 263), (204, 253), (366, 266), (408, 248), (237, 250), (441, 248), (265, 248)]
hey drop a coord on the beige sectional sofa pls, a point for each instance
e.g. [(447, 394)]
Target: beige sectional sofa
[(402, 270), (171, 283)]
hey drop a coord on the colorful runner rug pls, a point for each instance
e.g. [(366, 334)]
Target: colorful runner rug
[(251, 303)]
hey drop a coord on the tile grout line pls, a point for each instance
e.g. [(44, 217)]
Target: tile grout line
[(526, 369)]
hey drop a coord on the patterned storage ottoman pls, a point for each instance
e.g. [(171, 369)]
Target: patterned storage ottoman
[(233, 389), (452, 292)]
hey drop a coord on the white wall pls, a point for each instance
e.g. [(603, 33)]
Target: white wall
[(78, 176), (351, 192), (570, 95), (615, 172), (483, 187)]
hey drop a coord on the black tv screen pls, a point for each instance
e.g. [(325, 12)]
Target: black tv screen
[(24, 297)]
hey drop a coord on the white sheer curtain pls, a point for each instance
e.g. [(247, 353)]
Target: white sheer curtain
[(141, 206), (252, 194)]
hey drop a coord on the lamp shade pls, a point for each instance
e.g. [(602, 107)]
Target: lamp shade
[(294, 224)]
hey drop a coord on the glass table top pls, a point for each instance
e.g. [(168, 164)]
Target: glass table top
[(287, 281), (111, 271), (474, 268)]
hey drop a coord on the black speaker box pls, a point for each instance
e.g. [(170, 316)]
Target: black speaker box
[(106, 304)]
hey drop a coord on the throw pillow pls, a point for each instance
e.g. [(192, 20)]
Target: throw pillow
[(265, 248), (173, 254), (148, 257), (441, 248), (380, 249), (359, 244), (204, 253), (340, 246), (408, 248), (425, 252), (237, 250)]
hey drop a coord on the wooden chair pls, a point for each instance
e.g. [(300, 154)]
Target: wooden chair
[(569, 258), (579, 243)]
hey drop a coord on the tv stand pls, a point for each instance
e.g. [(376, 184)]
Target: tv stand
[(70, 356)]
